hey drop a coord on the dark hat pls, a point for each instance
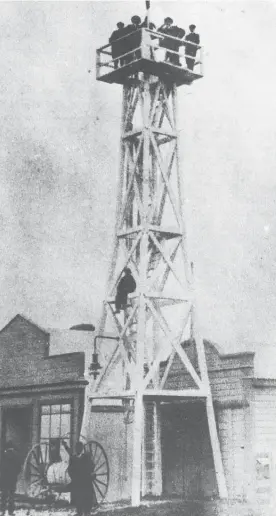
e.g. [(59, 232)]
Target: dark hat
[(192, 27), (168, 20), (120, 24), (127, 270), (136, 19)]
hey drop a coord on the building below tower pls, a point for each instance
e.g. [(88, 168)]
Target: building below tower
[(245, 408), (42, 396)]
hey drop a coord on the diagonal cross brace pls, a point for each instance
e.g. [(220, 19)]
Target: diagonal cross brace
[(133, 164), (154, 367), (129, 254), (166, 180), (167, 259), (183, 356)]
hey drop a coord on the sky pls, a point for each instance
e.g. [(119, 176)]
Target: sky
[(60, 153)]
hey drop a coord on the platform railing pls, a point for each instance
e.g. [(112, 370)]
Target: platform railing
[(151, 45)]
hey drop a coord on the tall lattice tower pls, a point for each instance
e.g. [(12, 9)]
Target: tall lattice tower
[(150, 239)]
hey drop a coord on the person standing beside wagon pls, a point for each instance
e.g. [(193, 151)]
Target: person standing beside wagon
[(81, 469)]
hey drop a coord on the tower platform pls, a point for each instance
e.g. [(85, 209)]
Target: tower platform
[(149, 56)]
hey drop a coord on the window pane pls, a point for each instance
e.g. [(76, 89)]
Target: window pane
[(65, 426), (55, 425), (55, 409), (55, 420), (45, 426), (65, 408), (45, 409)]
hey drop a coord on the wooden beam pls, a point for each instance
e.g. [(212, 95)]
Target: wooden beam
[(107, 367), (133, 166), (167, 370), (112, 395), (166, 181), (167, 259), (122, 234), (165, 273), (133, 247), (166, 230), (170, 134), (183, 356), (155, 365), (161, 296), (185, 393)]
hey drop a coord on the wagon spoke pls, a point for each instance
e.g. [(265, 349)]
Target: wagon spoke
[(99, 458), (99, 467), (97, 487), (35, 457), (100, 482), (37, 482), (40, 456), (95, 453), (34, 467)]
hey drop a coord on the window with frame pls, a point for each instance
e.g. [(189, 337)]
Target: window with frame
[(55, 423)]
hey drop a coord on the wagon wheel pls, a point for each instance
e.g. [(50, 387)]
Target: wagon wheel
[(100, 473), (35, 473), (100, 466)]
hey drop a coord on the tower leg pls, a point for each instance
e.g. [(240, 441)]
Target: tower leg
[(218, 464), (219, 470), (137, 450)]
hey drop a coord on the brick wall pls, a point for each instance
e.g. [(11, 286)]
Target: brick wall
[(24, 360), (264, 403), (232, 434), (226, 373), (264, 439)]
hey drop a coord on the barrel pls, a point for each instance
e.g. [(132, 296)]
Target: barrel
[(57, 474)]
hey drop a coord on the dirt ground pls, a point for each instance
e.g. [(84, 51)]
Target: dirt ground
[(165, 509)]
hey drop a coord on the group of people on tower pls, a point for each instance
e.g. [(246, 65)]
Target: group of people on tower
[(127, 38)]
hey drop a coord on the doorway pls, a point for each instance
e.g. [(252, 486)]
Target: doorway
[(188, 468), (17, 428)]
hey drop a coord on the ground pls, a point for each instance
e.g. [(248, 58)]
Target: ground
[(165, 509)]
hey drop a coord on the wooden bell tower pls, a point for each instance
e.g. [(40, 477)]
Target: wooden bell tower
[(150, 239)]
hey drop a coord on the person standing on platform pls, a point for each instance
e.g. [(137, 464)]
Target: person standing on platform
[(117, 46), (80, 470), (171, 44), (179, 33), (165, 29), (133, 41), (10, 469), (126, 286), (191, 49)]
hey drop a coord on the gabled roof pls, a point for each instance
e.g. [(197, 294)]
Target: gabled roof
[(26, 319)]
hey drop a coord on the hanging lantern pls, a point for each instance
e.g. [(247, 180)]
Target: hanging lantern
[(95, 366)]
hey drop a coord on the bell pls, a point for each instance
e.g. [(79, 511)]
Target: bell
[(95, 366)]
